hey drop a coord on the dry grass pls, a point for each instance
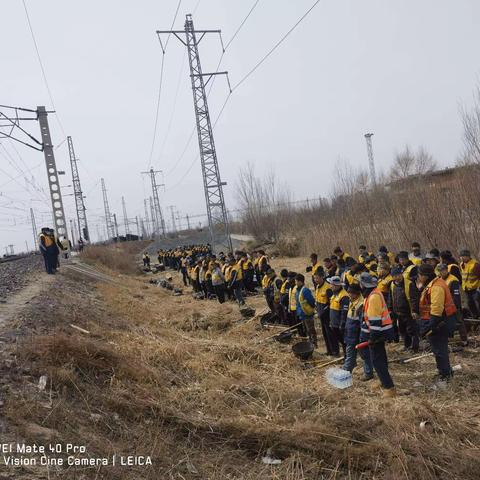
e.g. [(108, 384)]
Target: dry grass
[(193, 385), (120, 257)]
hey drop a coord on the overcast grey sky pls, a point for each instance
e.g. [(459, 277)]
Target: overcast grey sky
[(399, 68)]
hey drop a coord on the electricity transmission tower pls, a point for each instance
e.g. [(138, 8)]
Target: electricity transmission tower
[(155, 227), (116, 227), (213, 186), (125, 218), (108, 215), (157, 215), (34, 229), (11, 127), (147, 220), (78, 194), (371, 162), (172, 211)]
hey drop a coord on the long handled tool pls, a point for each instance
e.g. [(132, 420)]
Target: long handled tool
[(283, 331), (326, 364), (418, 357)]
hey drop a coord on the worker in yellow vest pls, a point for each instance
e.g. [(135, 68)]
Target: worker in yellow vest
[(438, 316), (305, 304), (339, 302), (415, 255), (471, 281), (47, 247), (455, 289), (323, 294), (268, 287)]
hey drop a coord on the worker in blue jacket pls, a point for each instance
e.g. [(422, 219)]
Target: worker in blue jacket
[(305, 308)]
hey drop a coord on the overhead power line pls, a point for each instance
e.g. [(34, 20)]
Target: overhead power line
[(44, 75), (159, 95), (234, 36), (282, 39)]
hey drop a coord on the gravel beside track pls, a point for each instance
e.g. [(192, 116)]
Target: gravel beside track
[(15, 275)]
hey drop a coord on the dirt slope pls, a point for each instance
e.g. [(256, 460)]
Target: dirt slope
[(206, 395)]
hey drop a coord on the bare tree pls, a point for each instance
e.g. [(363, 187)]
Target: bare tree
[(403, 164), (407, 163), (424, 162), (471, 129)]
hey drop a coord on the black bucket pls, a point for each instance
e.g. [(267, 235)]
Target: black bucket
[(303, 350)]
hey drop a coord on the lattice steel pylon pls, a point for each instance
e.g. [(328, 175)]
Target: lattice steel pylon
[(78, 194), (371, 161), (157, 215), (34, 229), (125, 218), (108, 215), (212, 183)]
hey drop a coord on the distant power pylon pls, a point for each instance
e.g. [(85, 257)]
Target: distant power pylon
[(125, 217), (83, 232), (371, 162), (115, 224), (147, 221), (155, 226), (212, 183), (34, 229), (174, 225), (108, 215), (157, 216)]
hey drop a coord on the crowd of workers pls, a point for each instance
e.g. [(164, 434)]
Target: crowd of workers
[(361, 303), (50, 247)]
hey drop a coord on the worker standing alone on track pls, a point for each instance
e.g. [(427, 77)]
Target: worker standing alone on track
[(380, 329), (49, 250)]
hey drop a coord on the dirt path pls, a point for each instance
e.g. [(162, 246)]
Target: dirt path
[(15, 303)]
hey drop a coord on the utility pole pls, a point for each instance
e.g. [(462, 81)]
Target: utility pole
[(212, 183), (11, 250), (159, 221), (72, 229), (188, 221), (371, 162), (155, 227), (116, 227), (172, 211), (147, 221), (83, 232), (138, 226), (52, 174), (125, 218), (26, 246), (34, 229), (108, 216)]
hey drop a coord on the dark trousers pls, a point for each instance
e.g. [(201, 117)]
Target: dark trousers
[(309, 326), (220, 292), (439, 345), (327, 332), (270, 304), (184, 276), (473, 302), (196, 286), (337, 340), (378, 355), (462, 329), (248, 280), (408, 328), (237, 292)]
